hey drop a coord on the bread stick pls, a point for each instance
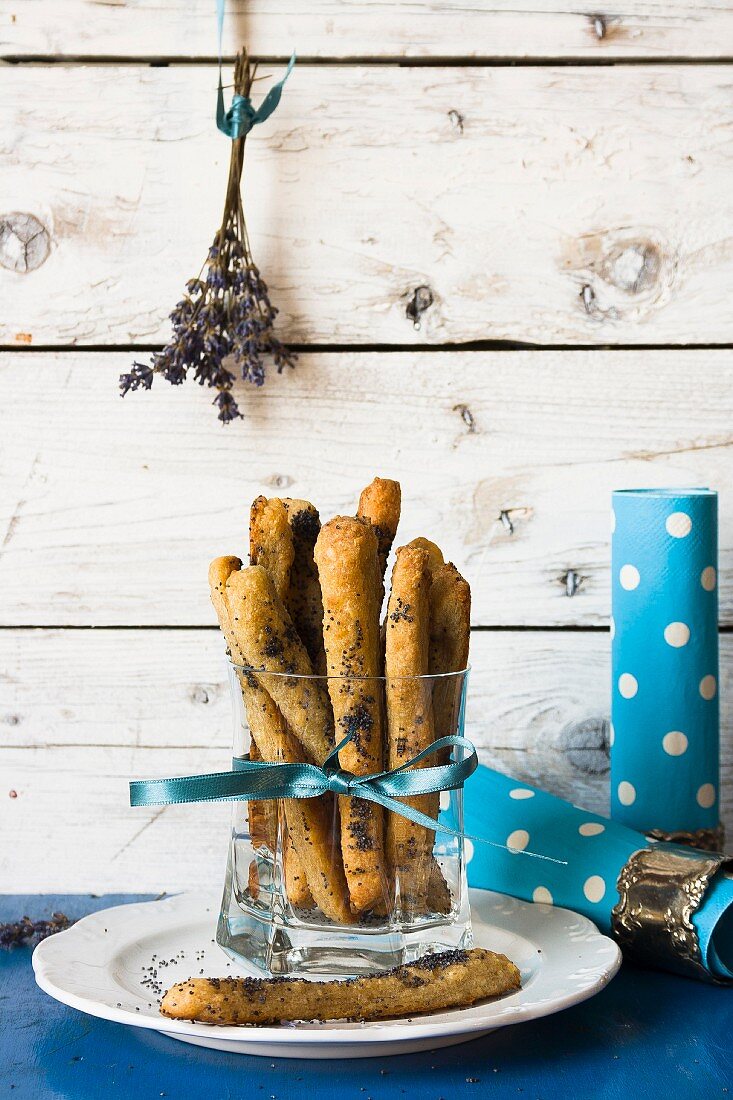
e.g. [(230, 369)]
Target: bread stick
[(296, 882), (380, 503), (346, 556), (435, 982), (271, 541), (270, 644), (435, 554), (272, 545), (409, 717), (450, 633), (450, 625), (303, 598), (306, 819)]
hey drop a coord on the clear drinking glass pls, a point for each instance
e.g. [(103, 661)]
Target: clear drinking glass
[(268, 914)]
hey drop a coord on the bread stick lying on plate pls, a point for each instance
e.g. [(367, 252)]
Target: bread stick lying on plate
[(307, 821), (346, 556), (409, 718), (452, 979)]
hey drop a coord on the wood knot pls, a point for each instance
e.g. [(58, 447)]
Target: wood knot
[(586, 745), (24, 242), (280, 481), (621, 275), (635, 267), (200, 695), (420, 301)]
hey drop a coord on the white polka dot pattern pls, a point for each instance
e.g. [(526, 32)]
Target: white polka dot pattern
[(677, 635), (629, 577), (679, 525), (628, 685), (542, 896), (708, 687), (709, 578), (674, 743), (521, 792), (664, 732), (518, 840), (594, 888), (626, 793), (591, 828)]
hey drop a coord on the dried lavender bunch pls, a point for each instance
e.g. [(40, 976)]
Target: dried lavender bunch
[(26, 931), (226, 313)]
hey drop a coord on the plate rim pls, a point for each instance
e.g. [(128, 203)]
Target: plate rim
[(398, 1030)]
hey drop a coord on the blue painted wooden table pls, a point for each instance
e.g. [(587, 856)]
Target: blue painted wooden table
[(647, 1034)]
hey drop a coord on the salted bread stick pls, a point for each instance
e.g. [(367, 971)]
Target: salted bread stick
[(269, 642), (380, 503), (409, 716), (271, 541), (303, 598), (306, 819), (346, 556), (435, 982)]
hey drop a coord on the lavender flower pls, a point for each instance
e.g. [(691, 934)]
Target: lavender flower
[(226, 313)]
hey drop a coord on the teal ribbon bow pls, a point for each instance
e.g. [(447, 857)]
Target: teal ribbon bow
[(254, 779), (242, 115)]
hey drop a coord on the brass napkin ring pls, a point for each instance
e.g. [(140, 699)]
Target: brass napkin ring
[(659, 890), (709, 840)]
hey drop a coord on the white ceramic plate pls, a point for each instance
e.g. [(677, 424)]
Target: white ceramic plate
[(99, 966)]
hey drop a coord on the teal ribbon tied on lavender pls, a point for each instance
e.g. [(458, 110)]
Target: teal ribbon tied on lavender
[(242, 115), (254, 779)]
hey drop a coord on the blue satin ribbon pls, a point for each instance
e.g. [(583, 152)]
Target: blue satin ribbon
[(255, 779), (242, 115)]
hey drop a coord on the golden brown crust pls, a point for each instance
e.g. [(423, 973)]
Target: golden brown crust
[(409, 718), (303, 599), (262, 817), (296, 882), (435, 554), (346, 556), (274, 545), (380, 503), (271, 541), (432, 984), (307, 819), (270, 644), (450, 620)]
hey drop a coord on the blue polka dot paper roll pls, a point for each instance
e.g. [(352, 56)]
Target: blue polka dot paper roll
[(664, 629), (584, 855)]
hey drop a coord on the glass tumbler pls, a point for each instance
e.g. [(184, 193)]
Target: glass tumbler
[(293, 901)]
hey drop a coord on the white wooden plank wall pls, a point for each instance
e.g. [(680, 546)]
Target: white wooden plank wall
[(572, 205), (550, 175)]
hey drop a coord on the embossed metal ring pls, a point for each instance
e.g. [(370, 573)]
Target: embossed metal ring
[(659, 890)]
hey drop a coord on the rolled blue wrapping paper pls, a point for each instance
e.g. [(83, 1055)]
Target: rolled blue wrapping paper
[(665, 722), (594, 848)]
